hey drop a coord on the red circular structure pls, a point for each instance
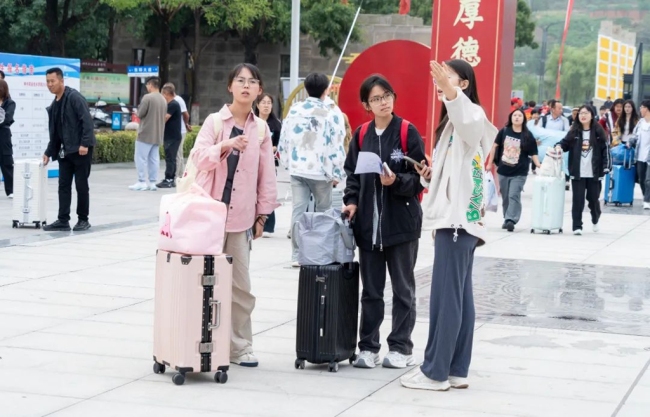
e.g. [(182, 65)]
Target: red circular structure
[(405, 64)]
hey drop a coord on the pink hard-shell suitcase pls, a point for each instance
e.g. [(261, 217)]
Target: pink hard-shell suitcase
[(192, 315)]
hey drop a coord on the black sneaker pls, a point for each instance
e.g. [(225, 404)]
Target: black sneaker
[(510, 226), (57, 226), (504, 226), (81, 226), (166, 184)]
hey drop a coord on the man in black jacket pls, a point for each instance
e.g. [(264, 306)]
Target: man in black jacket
[(71, 143)]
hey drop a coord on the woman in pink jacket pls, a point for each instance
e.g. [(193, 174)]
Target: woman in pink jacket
[(241, 175)]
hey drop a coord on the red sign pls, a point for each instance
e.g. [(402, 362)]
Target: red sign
[(481, 32), (405, 65)]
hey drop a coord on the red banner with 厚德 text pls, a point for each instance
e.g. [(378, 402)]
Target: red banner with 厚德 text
[(481, 32)]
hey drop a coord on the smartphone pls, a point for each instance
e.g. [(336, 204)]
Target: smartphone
[(413, 161), (387, 171)]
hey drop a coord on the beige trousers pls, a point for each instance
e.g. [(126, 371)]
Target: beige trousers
[(180, 160), (238, 246)]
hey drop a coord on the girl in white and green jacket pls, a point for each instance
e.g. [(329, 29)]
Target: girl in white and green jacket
[(454, 207)]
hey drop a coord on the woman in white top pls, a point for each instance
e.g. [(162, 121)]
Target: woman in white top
[(641, 141), (455, 208), (626, 123)]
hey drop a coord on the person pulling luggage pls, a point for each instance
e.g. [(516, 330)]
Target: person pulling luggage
[(589, 161), (388, 224), (640, 140)]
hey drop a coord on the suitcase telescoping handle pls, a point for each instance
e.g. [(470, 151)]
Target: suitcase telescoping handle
[(216, 317), (321, 315)]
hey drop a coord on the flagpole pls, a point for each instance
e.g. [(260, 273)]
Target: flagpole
[(567, 21), (346, 43), (294, 65)]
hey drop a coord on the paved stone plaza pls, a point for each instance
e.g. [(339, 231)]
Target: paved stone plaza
[(563, 324)]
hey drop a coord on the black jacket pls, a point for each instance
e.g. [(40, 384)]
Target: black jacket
[(600, 158), (275, 126), (6, 148), (399, 207), (77, 125)]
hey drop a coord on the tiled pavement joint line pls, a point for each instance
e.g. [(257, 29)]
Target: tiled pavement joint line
[(54, 275), (51, 236), (612, 243), (95, 396), (629, 391), (79, 319), (274, 327)]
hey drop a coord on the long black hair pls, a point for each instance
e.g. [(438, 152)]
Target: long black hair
[(524, 128), (597, 131), (466, 73), (634, 118)]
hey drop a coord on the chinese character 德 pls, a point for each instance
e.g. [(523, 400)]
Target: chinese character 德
[(468, 13), (467, 50)]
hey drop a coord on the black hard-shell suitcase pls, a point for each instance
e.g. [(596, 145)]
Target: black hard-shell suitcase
[(328, 308)]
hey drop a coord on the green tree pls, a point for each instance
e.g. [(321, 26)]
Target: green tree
[(164, 11), (578, 75), (51, 27), (62, 18)]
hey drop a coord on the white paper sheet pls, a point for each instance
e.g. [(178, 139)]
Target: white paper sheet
[(368, 163)]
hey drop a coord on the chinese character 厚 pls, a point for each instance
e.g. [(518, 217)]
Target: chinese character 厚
[(468, 13)]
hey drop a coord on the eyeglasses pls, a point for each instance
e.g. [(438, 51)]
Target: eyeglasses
[(584, 113), (387, 97), (251, 81)]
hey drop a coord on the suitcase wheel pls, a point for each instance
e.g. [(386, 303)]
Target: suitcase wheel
[(353, 358), (221, 377), (14, 224), (532, 231), (561, 231), (333, 367), (300, 364), (158, 368), (178, 379)]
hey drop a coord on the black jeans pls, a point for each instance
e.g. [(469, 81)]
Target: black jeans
[(7, 167), (171, 152), (400, 260), (643, 178), (591, 187), (77, 167)]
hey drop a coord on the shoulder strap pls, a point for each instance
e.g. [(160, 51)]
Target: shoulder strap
[(261, 129), (404, 133), (544, 119), (218, 123), (362, 133)]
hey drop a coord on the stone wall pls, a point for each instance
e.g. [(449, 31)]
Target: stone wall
[(222, 55)]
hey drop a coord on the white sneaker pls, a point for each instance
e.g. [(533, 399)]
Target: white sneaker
[(366, 359), (247, 359), (10, 196), (267, 235), (152, 187), (139, 186), (578, 232), (295, 264), (417, 380), (596, 228), (397, 360), (646, 206), (458, 382)]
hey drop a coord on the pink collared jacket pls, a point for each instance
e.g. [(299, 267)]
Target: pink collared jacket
[(254, 189)]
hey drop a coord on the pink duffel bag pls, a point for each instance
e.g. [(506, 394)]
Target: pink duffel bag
[(192, 223)]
